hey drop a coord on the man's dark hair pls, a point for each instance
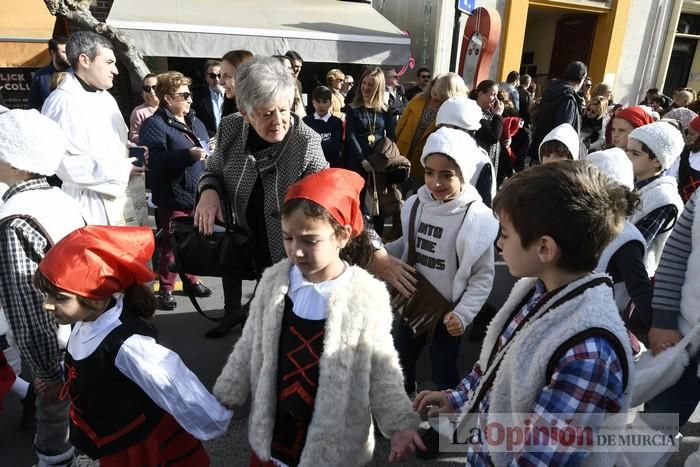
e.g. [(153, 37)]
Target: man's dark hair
[(150, 75), (513, 76), (575, 71), (55, 42), (422, 70), (85, 42), (294, 55), (210, 63), (573, 202), (321, 93), (654, 91)]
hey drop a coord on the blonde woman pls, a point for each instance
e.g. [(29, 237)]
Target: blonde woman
[(335, 79), (418, 120), (593, 123), (367, 123)]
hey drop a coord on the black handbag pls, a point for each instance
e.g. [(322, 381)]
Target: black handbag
[(228, 252)]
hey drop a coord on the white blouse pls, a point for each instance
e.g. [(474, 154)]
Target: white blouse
[(311, 299), (158, 371)]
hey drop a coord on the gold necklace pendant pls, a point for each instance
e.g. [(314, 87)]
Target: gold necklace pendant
[(370, 140)]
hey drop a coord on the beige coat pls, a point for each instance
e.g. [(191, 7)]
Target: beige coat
[(359, 373)]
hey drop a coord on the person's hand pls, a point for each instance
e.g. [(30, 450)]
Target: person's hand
[(197, 153), (135, 169), (437, 399), (145, 154), (395, 272), (453, 324), (506, 142), (496, 107), (48, 389), (207, 211), (662, 339), (366, 165), (404, 443)]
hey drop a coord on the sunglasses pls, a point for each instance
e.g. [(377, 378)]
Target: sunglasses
[(184, 95), (148, 88), (214, 75)]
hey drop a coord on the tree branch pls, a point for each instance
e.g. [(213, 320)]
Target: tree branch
[(78, 13)]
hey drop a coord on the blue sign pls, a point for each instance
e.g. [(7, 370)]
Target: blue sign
[(466, 6)]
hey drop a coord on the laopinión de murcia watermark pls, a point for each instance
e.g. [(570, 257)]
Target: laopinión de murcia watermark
[(515, 432)]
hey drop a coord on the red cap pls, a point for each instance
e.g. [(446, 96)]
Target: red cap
[(695, 124), (636, 116), (337, 190), (97, 261)]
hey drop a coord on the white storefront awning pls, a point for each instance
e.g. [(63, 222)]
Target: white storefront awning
[(320, 30)]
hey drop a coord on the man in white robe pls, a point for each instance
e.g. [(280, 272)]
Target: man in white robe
[(96, 169)]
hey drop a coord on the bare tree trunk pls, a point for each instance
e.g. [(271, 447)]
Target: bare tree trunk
[(78, 13)]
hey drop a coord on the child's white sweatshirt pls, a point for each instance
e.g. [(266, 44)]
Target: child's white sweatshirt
[(453, 251)]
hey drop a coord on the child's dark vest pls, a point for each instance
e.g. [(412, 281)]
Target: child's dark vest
[(688, 177), (108, 412)]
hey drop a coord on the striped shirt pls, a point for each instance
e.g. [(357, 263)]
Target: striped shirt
[(670, 275)]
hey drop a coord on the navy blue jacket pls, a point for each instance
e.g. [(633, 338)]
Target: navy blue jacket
[(331, 137), (174, 174), (41, 83)]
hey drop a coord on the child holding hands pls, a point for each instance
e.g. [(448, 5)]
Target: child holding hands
[(557, 349), (316, 353), (133, 402)]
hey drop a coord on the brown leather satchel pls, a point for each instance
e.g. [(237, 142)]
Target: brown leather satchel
[(426, 308)]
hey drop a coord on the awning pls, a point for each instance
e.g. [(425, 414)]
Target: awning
[(25, 28), (320, 30)]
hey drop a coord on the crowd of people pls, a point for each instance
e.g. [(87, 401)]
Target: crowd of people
[(590, 202)]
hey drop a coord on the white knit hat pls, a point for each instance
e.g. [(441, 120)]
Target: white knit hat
[(457, 145), (31, 142), (665, 141), (460, 111), (566, 135), (615, 164)]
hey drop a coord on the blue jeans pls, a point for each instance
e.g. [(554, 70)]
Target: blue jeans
[(681, 398), (444, 351)]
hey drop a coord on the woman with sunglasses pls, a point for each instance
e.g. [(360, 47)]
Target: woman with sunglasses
[(145, 110), (177, 142), (593, 123)]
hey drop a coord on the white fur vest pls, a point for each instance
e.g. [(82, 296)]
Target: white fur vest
[(629, 234), (521, 376), (661, 192), (359, 373), (690, 292)]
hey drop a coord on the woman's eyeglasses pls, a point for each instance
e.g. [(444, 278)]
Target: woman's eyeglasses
[(184, 95), (147, 88), (214, 75)]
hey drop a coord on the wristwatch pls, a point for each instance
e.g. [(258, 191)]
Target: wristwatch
[(376, 243)]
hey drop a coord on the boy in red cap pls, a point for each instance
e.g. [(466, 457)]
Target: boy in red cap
[(624, 121), (133, 402), (317, 354)]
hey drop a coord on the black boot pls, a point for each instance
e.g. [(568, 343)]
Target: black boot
[(230, 320)]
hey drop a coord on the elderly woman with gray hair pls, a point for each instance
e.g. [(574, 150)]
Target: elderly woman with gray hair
[(259, 153)]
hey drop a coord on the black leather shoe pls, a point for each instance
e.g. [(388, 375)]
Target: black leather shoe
[(166, 301), (200, 290), (231, 320), (28, 409)]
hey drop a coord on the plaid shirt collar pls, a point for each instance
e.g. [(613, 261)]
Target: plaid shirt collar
[(33, 184)]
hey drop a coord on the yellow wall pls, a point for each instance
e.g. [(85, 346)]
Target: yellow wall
[(607, 42)]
